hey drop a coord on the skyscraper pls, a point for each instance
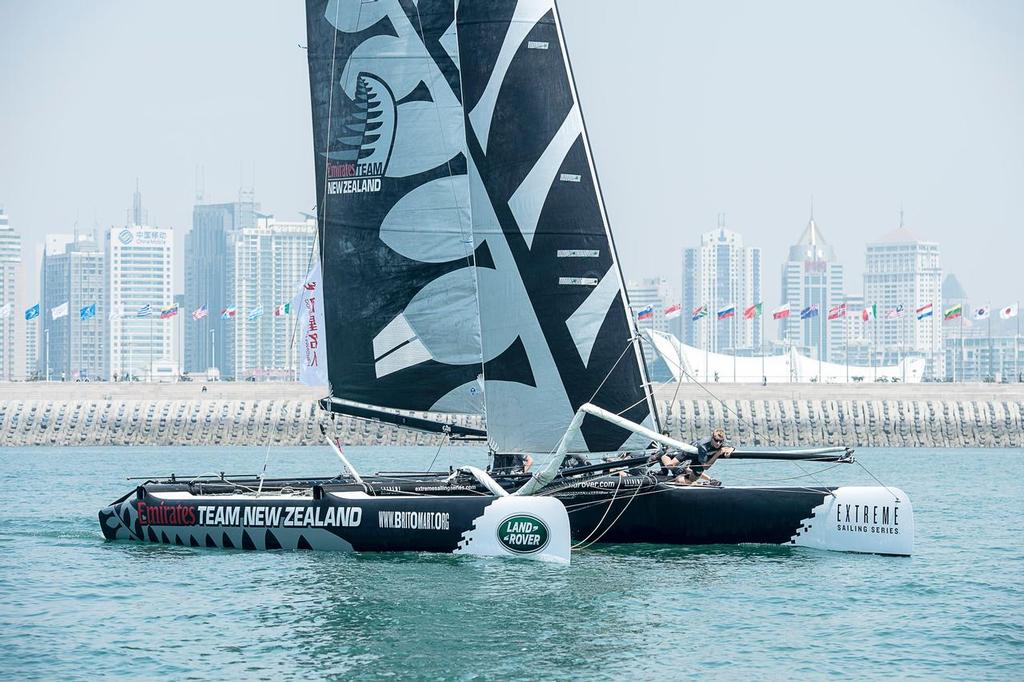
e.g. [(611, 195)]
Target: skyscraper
[(140, 276), (266, 265), (718, 273), (206, 278), (903, 274), (812, 277), (75, 342), (10, 267)]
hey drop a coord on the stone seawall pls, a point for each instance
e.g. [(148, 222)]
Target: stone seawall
[(933, 415)]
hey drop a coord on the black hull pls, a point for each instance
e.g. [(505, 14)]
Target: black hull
[(340, 518)]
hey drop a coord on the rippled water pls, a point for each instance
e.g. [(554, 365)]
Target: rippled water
[(73, 605)]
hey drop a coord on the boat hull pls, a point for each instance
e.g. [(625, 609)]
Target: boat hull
[(483, 525), (636, 509)]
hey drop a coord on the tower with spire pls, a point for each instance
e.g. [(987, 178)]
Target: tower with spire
[(812, 276)]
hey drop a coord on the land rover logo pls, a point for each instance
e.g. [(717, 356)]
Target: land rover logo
[(523, 534)]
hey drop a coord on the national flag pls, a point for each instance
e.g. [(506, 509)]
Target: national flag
[(59, 311), (168, 311), (896, 313), (282, 309), (255, 313), (726, 312), (982, 313), (869, 313), (87, 312), (5, 310), (750, 312), (1008, 312), (145, 311), (673, 311), (228, 313), (837, 311), (200, 312), (699, 313), (645, 313), (953, 313), (809, 312), (781, 313), (32, 313), (924, 311)]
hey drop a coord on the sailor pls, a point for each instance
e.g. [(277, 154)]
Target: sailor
[(687, 469), (512, 464)]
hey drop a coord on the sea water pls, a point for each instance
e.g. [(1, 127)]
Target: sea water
[(75, 606)]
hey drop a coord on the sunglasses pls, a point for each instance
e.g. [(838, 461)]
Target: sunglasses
[(717, 440)]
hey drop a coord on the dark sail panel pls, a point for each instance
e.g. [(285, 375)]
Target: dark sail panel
[(393, 204), (556, 290)]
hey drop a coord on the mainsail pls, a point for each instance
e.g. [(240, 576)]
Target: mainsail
[(465, 244)]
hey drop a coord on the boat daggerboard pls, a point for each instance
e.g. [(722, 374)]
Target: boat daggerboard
[(464, 239)]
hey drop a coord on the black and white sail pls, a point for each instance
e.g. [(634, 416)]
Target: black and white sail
[(464, 240), (393, 205), (556, 289)]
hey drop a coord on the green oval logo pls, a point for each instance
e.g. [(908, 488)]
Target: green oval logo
[(523, 534)]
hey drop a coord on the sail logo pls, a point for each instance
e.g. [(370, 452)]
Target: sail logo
[(523, 534), (358, 155)]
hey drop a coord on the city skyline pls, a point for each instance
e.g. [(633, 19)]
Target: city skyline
[(749, 125)]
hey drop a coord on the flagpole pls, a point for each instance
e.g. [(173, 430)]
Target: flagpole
[(764, 377), (962, 342), (1016, 341), (990, 371), (734, 346)]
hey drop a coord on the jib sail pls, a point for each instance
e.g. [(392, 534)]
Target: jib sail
[(555, 291)]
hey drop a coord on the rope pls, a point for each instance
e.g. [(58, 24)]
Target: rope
[(612, 524), (615, 493)]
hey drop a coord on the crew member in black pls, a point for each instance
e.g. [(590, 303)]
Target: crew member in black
[(687, 469), (511, 464)]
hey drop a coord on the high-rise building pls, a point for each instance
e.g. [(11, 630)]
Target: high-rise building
[(206, 278), (266, 265), (10, 271), (718, 273), (902, 275), (140, 283), (75, 341), (812, 277), (50, 272)]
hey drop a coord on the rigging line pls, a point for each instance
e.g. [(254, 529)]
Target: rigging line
[(868, 472), (444, 441), (629, 344), (615, 493), (616, 520)]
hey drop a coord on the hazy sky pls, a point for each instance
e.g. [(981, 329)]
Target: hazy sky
[(743, 108)]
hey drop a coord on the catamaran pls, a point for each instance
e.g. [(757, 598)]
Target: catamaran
[(466, 266)]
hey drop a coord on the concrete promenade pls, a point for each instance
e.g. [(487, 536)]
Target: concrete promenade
[(228, 413)]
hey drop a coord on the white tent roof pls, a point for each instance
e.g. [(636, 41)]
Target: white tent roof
[(693, 364)]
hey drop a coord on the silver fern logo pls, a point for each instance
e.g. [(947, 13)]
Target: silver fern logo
[(357, 158)]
